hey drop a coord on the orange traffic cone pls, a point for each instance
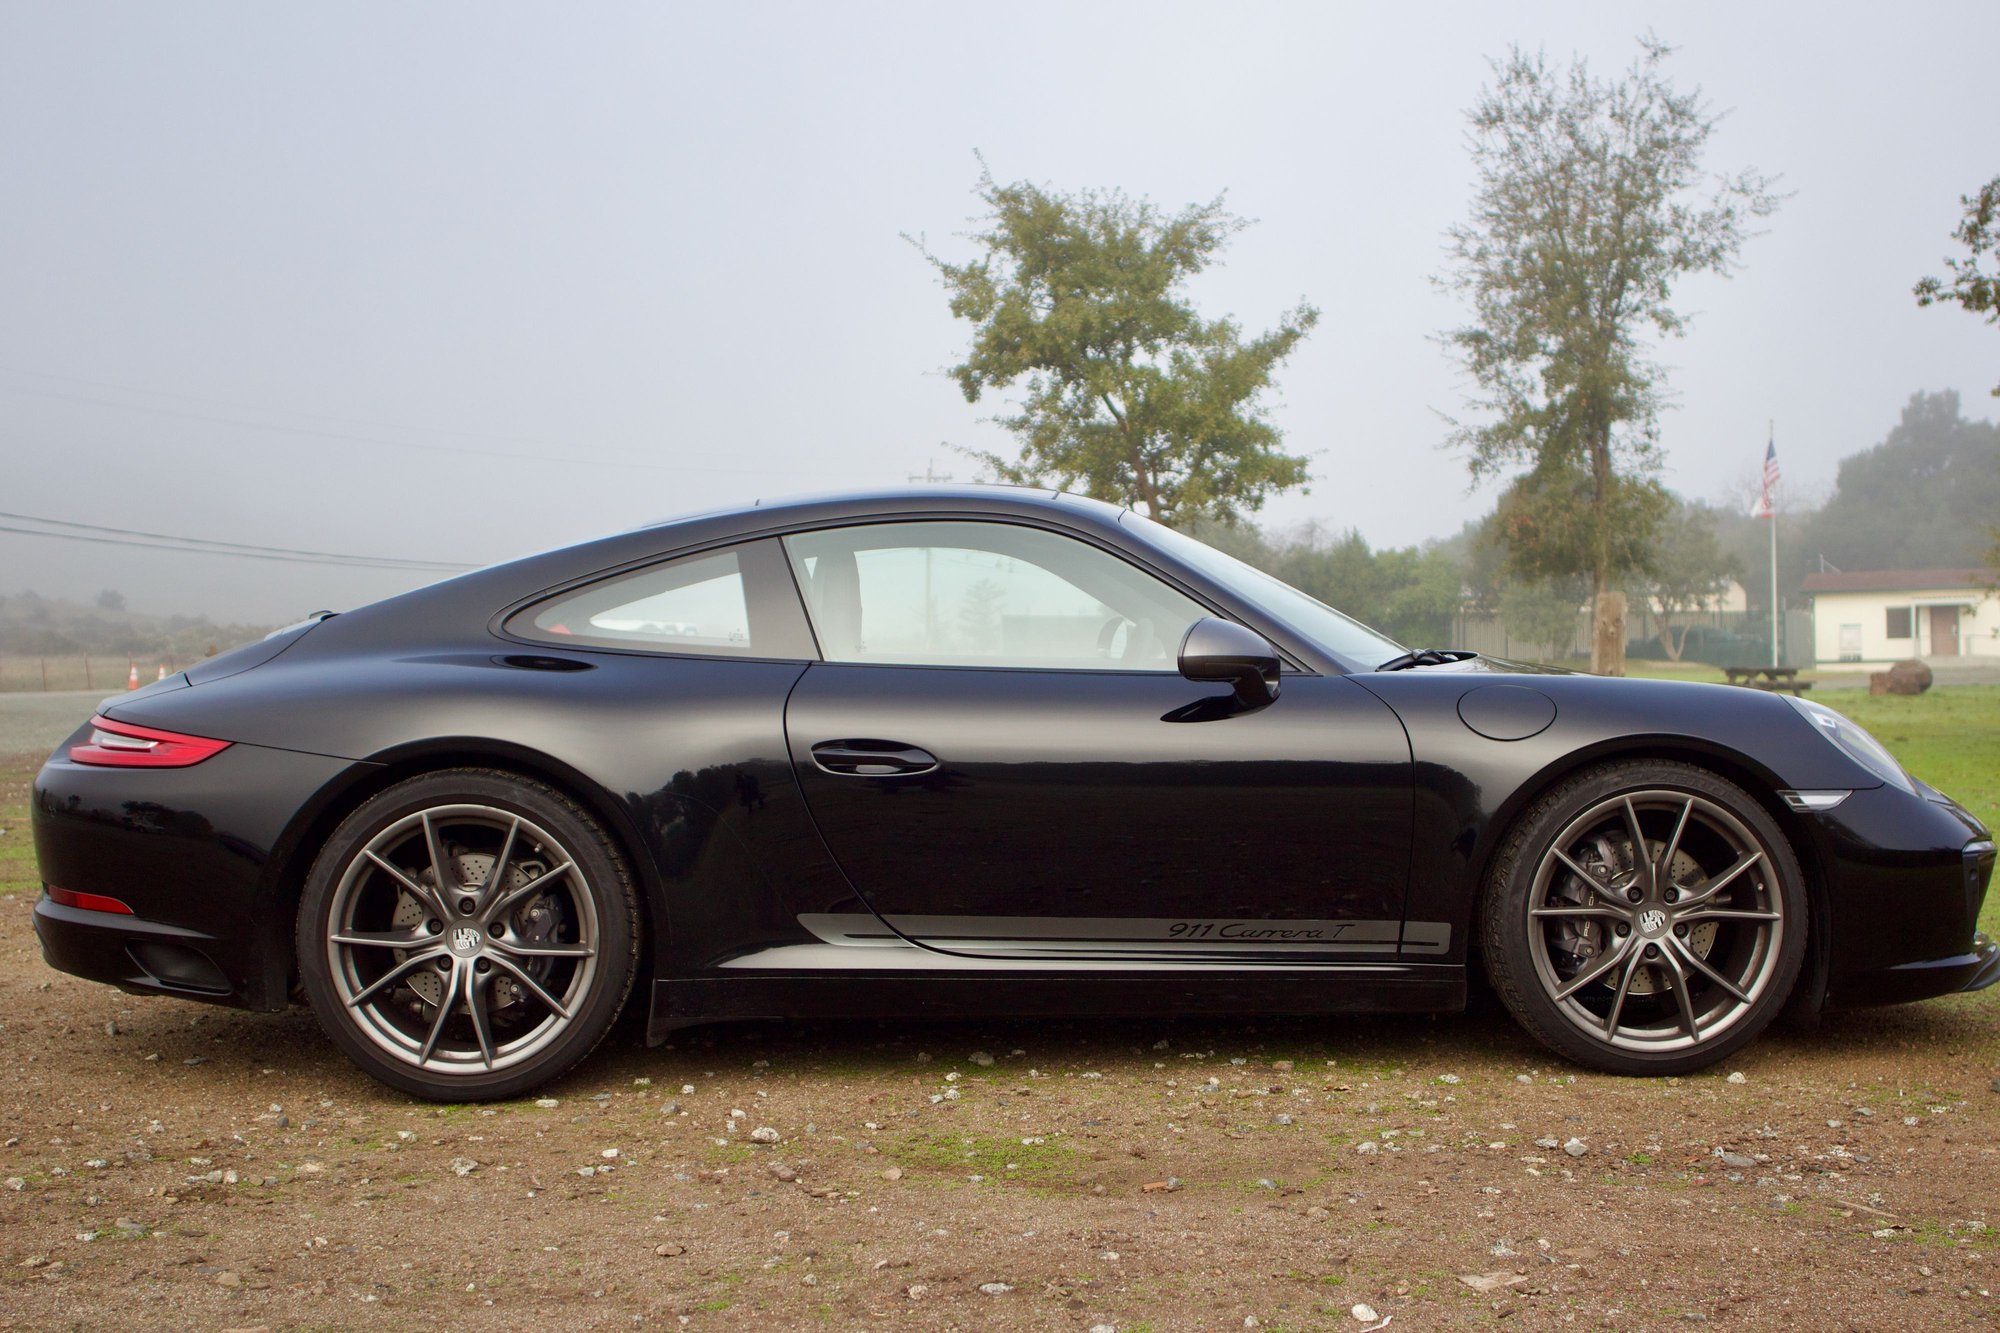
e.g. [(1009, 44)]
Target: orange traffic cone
[(132, 680), (163, 671)]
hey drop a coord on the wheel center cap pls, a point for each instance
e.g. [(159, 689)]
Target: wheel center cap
[(1653, 923), (465, 940)]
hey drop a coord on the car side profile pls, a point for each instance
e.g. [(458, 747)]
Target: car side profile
[(974, 751)]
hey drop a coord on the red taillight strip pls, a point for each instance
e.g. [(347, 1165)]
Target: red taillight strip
[(90, 902), (122, 745)]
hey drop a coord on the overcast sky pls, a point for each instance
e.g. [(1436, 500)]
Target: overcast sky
[(303, 276)]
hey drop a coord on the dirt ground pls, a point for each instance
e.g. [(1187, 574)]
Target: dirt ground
[(171, 1165)]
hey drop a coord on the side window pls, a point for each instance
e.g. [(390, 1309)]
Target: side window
[(984, 594), (732, 602)]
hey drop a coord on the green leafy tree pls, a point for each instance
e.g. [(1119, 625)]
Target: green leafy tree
[(1541, 613), (1970, 286), (1686, 570), (1592, 202), (1918, 500), (1128, 393)]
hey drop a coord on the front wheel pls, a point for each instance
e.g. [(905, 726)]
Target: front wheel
[(467, 935), (1645, 918)]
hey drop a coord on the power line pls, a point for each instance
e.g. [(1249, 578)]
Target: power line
[(159, 541)]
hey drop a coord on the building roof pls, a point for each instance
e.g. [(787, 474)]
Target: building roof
[(1899, 580)]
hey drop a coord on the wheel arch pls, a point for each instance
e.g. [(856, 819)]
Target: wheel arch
[(293, 858), (1759, 782)]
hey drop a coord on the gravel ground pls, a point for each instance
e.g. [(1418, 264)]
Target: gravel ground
[(177, 1166)]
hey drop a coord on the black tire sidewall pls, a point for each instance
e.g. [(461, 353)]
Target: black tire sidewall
[(604, 870), (1505, 927)]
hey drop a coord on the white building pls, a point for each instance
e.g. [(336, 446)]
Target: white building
[(1874, 617)]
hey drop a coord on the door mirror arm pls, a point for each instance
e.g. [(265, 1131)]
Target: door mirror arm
[(1220, 650)]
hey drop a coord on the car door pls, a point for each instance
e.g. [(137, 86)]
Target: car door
[(1004, 760)]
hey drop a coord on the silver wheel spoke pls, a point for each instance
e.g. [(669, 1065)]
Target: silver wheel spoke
[(1683, 993), (476, 993), (533, 987), (1665, 875), (1642, 860), (1594, 972), (423, 893), (447, 1001), (444, 883), (554, 949), (392, 976), (1692, 959), (1715, 884), (518, 896), (1590, 881), (1700, 915), (1633, 955), (496, 878), (384, 939)]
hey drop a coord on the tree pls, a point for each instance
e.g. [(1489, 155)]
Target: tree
[(1921, 499), (1686, 570), (1541, 613), (1592, 201), (1129, 394), (1975, 290)]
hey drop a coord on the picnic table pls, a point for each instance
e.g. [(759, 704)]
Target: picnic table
[(1776, 678)]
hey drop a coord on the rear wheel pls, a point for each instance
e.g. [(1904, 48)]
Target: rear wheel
[(467, 935), (1645, 918)]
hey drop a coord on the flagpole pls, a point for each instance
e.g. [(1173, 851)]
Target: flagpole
[(1771, 512)]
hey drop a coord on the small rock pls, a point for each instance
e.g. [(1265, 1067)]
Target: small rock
[(227, 1279), (1367, 1147), (782, 1172), (1266, 1183), (1364, 1313), (1735, 1160), (609, 1154), (1576, 1147), (463, 1166), (980, 1058), (1737, 1078), (669, 1251), (111, 1028), (916, 1290), (894, 1173), (1317, 1213), (995, 1288), (1498, 1280), (547, 1103), (1550, 1144), (1282, 1066), (764, 1134), (1996, 1085), (16, 1184), (1281, 1120)]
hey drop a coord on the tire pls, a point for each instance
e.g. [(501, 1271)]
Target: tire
[(487, 989), (1660, 966)]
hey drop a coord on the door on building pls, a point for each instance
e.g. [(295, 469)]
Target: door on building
[(1944, 631)]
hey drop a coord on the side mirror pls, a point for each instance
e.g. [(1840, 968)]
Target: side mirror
[(1221, 650)]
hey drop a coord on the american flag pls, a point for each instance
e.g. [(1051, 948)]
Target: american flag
[(1767, 504)]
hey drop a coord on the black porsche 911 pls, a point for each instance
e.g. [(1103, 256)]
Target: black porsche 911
[(974, 751)]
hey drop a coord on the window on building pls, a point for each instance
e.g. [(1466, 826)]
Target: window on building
[(1899, 622)]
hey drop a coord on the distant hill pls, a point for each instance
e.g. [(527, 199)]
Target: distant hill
[(32, 625)]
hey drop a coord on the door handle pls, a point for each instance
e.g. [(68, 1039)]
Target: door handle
[(872, 759)]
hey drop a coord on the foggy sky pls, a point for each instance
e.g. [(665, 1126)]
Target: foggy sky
[(301, 275)]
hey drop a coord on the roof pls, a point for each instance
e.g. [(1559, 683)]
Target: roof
[(1899, 580)]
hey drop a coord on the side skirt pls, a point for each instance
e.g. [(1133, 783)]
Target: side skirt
[(1076, 990)]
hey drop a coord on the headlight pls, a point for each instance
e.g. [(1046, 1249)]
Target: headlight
[(1857, 744)]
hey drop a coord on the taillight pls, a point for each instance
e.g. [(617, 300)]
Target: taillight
[(122, 745), (93, 902)]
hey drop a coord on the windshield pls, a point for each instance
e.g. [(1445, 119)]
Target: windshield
[(1339, 635)]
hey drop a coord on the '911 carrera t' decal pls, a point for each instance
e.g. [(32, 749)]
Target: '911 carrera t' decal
[(1099, 935)]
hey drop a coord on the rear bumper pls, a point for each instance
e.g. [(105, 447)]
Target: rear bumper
[(143, 957)]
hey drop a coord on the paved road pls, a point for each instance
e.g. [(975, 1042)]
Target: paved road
[(32, 723)]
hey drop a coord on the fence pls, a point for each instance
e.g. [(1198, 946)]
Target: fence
[(1719, 638), (79, 671)]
